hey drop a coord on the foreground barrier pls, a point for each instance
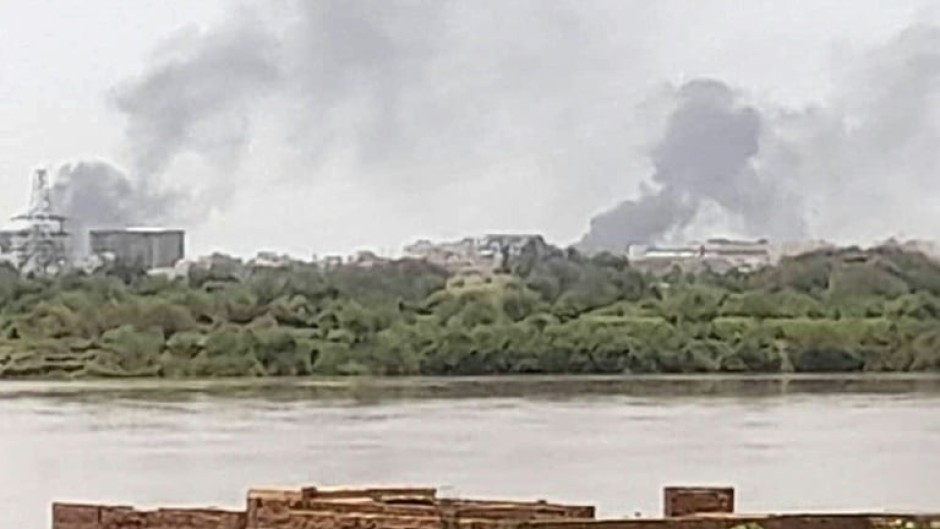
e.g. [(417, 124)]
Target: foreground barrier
[(421, 508)]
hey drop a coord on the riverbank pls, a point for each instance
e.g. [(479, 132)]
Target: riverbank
[(589, 345), (547, 312), (532, 386)]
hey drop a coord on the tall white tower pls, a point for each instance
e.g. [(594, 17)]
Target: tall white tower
[(40, 245)]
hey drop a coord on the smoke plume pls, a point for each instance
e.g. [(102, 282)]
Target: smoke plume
[(197, 97), (707, 155), (96, 194), (414, 96), (869, 157), (848, 168), (421, 100)]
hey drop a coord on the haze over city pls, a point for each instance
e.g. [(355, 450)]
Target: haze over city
[(334, 126)]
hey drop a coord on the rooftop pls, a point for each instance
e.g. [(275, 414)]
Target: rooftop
[(138, 229)]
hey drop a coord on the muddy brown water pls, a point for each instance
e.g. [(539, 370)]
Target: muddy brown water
[(844, 443)]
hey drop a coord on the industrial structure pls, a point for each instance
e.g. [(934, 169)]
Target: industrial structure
[(149, 248), (37, 243), (719, 254)]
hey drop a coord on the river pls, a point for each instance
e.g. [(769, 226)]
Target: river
[(786, 444)]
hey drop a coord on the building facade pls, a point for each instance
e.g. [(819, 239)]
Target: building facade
[(478, 254), (719, 255), (147, 247)]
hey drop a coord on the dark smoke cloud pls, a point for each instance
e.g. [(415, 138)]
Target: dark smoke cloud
[(416, 95), (102, 195), (198, 96), (707, 155), (419, 98), (651, 217), (96, 194), (852, 167)]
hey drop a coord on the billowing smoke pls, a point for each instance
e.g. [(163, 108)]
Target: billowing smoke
[(707, 155), (650, 218), (96, 194), (197, 97), (421, 100), (869, 157), (413, 96), (848, 168)]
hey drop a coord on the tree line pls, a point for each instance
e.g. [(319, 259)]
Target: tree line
[(547, 310)]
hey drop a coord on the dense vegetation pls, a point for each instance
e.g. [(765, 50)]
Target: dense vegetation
[(549, 311)]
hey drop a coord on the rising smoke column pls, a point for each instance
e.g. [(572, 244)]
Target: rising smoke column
[(429, 99), (411, 92), (706, 157), (854, 167), (195, 97)]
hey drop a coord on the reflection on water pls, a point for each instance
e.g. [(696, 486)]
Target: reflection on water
[(787, 443)]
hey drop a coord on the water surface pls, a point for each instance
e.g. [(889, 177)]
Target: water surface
[(843, 443)]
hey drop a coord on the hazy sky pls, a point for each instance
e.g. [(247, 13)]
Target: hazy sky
[(370, 124)]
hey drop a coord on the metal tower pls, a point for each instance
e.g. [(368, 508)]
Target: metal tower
[(41, 245)]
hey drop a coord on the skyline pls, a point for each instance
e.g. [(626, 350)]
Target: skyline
[(509, 162)]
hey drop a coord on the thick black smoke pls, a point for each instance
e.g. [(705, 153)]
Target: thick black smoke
[(707, 155)]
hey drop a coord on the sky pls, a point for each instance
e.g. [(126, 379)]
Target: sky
[(327, 127)]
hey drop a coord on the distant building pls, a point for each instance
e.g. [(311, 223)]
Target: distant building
[(794, 248), (719, 255), (474, 254), (270, 260), (330, 261), (512, 244), (739, 254), (453, 255), (180, 270), (648, 253), (147, 247), (366, 259), (930, 249)]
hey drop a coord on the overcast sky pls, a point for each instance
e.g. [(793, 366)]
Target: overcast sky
[(382, 123)]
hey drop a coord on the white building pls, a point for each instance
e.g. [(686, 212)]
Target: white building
[(715, 254), (482, 254)]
